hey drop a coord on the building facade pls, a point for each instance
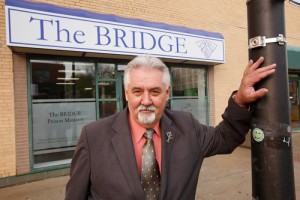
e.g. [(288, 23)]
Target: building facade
[(62, 66)]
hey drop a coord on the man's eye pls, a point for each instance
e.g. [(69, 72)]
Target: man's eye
[(155, 92), (137, 92)]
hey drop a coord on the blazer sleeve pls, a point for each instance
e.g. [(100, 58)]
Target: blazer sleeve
[(79, 182), (228, 134)]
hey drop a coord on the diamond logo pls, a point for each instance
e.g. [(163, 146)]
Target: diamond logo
[(207, 48)]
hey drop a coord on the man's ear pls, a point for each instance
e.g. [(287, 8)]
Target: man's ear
[(168, 92), (126, 93)]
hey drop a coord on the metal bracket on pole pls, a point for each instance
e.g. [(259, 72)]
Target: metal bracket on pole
[(261, 41)]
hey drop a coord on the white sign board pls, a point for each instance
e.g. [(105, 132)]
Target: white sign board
[(73, 30), (58, 125), (295, 2)]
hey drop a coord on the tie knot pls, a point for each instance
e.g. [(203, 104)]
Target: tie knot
[(149, 133)]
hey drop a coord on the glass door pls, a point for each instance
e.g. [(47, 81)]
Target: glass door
[(294, 80), (65, 96), (189, 91), (110, 96), (121, 100), (62, 102)]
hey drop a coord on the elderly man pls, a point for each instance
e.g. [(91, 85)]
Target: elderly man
[(149, 152)]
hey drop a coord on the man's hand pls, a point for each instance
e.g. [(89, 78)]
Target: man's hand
[(246, 93)]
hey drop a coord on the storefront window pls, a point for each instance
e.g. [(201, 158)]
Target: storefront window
[(294, 90), (107, 89), (189, 92), (107, 108), (106, 71), (63, 101), (66, 95)]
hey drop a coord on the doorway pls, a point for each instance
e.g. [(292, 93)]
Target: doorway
[(110, 95), (65, 96), (294, 90)]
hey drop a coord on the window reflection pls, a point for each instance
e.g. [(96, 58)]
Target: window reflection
[(107, 108), (63, 101), (62, 80), (106, 70), (294, 89), (107, 89), (189, 91)]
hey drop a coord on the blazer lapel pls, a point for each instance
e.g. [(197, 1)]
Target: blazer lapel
[(168, 137), (122, 143)]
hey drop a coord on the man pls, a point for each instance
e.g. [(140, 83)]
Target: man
[(109, 162)]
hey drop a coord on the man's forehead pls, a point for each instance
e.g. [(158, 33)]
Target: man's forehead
[(146, 74), (149, 84), (134, 87), (146, 77), (146, 69)]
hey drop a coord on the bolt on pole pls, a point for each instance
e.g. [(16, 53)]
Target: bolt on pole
[(271, 141)]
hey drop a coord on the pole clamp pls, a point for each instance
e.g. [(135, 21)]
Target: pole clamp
[(262, 41)]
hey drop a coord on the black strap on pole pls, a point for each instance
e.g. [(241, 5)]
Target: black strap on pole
[(271, 146)]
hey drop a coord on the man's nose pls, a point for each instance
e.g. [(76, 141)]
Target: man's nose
[(146, 99)]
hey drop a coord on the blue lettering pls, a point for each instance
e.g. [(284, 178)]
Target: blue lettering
[(121, 38), (42, 30), (78, 33), (179, 44), (160, 43), (143, 34), (62, 30), (133, 39), (103, 35)]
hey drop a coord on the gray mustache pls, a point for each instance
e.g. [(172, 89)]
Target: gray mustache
[(151, 108)]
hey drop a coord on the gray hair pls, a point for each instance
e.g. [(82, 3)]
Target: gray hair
[(147, 61)]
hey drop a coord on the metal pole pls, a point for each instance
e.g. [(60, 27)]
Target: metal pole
[(271, 147)]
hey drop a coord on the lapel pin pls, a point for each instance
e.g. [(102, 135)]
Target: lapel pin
[(170, 136)]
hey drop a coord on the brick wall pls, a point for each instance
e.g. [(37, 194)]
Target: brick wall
[(7, 127), (21, 117)]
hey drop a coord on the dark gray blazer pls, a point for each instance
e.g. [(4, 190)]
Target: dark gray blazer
[(104, 165)]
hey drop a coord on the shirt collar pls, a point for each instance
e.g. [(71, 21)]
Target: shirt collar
[(137, 130)]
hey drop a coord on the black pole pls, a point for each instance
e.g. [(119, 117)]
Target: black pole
[(271, 147)]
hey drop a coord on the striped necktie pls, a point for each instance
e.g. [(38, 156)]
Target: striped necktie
[(150, 176)]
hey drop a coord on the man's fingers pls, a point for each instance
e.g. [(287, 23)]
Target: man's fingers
[(259, 93), (253, 74), (250, 63), (258, 74), (266, 68), (257, 63), (264, 71), (251, 66)]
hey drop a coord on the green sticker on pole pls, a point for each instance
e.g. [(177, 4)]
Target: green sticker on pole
[(258, 135)]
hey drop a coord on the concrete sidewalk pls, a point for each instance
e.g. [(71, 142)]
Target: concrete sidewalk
[(226, 177)]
